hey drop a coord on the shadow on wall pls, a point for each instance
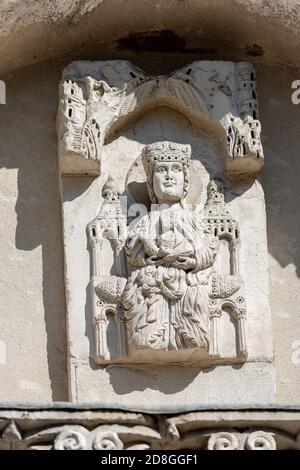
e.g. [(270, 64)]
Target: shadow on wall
[(28, 138), (280, 175), (168, 379)]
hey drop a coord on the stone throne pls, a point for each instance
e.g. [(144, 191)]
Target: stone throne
[(225, 283), (109, 113)]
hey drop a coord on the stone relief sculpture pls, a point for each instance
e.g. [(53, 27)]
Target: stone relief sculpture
[(176, 266), (173, 297), (170, 255), (94, 102), (180, 431)]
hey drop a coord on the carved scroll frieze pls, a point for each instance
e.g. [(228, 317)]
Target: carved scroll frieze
[(61, 436), (97, 97), (165, 251), (226, 290)]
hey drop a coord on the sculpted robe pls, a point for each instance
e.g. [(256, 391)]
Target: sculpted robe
[(166, 296)]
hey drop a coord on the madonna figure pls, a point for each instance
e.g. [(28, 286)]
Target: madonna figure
[(170, 255)]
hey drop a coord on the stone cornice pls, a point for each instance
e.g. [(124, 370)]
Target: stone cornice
[(87, 426)]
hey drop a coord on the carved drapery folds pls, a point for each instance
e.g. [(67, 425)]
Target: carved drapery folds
[(108, 94)]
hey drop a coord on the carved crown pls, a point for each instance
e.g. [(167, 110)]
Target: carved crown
[(165, 152)]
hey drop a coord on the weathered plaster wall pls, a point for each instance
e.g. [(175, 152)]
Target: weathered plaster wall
[(32, 327), (33, 29)]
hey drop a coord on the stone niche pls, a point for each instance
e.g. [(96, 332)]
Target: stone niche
[(166, 268)]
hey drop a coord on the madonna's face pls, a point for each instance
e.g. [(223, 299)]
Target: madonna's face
[(168, 182)]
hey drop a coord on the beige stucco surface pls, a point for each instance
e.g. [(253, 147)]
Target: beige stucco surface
[(32, 327), (280, 121), (33, 365)]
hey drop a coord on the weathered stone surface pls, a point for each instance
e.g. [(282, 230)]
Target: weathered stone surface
[(32, 331), (31, 232), (118, 312), (170, 308), (173, 387), (99, 98), (37, 29), (79, 429)]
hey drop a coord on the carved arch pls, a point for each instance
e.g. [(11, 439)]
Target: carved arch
[(221, 93)]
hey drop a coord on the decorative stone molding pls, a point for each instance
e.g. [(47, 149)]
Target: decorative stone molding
[(70, 428), (96, 98)]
